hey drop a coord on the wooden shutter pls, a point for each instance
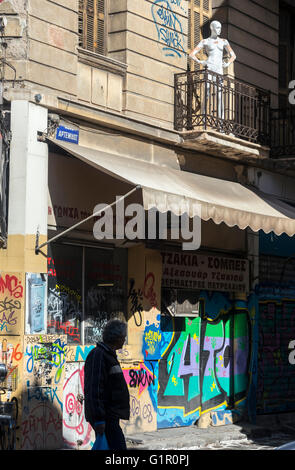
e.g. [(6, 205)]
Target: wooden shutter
[(92, 25), (199, 15)]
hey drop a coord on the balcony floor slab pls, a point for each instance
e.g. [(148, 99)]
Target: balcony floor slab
[(221, 145)]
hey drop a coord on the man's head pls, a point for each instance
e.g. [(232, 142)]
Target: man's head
[(114, 333)]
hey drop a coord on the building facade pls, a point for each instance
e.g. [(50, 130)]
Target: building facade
[(100, 99)]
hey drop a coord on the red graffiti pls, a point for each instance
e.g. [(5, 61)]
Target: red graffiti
[(148, 289), (68, 328), (73, 418), (51, 269), (43, 421), (12, 285)]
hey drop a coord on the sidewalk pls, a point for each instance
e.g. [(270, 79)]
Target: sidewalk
[(192, 436)]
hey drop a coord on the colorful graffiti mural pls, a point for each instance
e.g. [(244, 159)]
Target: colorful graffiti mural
[(11, 303), (42, 400), (205, 366)]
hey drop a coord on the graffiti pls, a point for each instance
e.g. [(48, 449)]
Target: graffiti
[(12, 285), (169, 28), (61, 303), (140, 377), (48, 394), (78, 353), (64, 310), (147, 413), (67, 328), (47, 356), (148, 289), (134, 407), (11, 299), (42, 427), (203, 358), (51, 271), (152, 340), (136, 297), (75, 427), (11, 357)]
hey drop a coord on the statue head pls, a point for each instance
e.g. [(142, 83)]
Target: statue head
[(216, 27)]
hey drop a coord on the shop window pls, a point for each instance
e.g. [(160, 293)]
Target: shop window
[(92, 25), (86, 287), (199, 16), (105, 293)]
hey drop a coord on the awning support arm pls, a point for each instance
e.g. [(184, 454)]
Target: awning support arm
[(38, 247)]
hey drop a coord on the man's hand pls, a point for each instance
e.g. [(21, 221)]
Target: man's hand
[(100, 428)]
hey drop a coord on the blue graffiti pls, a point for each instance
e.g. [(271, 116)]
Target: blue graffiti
[(169, 27), (83, 351), (48, 394)]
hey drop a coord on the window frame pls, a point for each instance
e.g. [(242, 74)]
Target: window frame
[(84, 20)]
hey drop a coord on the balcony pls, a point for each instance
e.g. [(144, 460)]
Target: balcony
[(222, 115), (283, 133)]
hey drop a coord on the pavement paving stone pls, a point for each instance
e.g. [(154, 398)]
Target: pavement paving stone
[(192, 436)]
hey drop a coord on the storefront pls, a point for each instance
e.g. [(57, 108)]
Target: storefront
[(191, 350)]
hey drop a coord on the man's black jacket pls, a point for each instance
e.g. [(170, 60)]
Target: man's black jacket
[(105, 390)]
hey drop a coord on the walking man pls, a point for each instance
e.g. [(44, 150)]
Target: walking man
[(105, 389)]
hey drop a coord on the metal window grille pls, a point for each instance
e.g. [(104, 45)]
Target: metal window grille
[(92, 25)]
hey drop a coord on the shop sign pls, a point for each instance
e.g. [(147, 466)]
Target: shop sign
[(205, 272)]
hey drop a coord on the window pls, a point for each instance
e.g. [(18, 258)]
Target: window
[(92, 25), (199, 15), (86, 287)]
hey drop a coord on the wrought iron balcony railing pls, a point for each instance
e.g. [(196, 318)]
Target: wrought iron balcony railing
[(205, 100), (283, 132)]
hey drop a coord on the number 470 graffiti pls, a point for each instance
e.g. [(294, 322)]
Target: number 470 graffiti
[(292, 353)]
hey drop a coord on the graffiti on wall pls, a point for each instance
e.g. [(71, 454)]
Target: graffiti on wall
[(11, 300), (142, 383), (44, 367), (205, 365), (76, 431), (11, 355), (136, 297), (168, 23)]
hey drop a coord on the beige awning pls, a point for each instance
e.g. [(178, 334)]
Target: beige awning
[(181, 192)]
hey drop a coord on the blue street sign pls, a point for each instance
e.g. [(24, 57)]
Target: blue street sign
[(67, 135)]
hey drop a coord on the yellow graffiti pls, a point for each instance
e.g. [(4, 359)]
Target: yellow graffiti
[(152, 338), (174, 381)]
